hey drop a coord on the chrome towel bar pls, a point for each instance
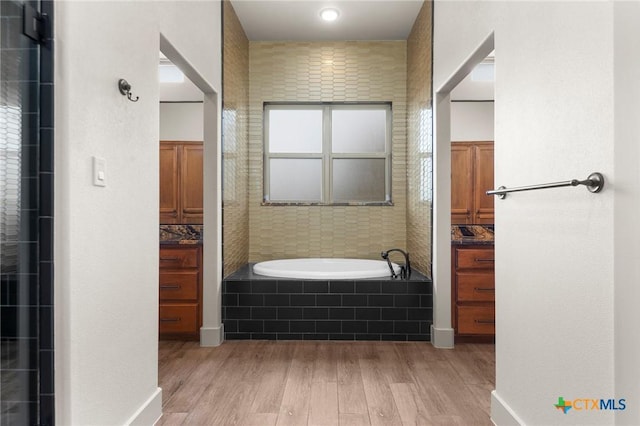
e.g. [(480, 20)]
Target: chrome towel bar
[(594, 183)]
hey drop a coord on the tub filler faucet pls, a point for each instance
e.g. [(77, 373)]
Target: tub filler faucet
[(405, 270)]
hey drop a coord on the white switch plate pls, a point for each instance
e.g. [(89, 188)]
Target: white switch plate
[(99, 171)]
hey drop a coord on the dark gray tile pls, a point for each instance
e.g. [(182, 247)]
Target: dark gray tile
[(276, 300), (46, 150), (316, 287), (328, 300), (419, 337), (303, 300), (264, 286), (264, 313), (46, 372), (237, 336), (289, 286), (290, 313), (250, 300), (46, 105), (238, 286), (420, 314), (394, 314), (368, 287), (406, 327), (426, 301), (369, 313), (46, 239), (230, 299), (394, 287), (329, 327), (380, 327), (425, 327), (250, 326), (342, 313), (238, 313), (418, 287), (406, 301), (276, 326), (315, 313), (381, 300), (354, 326), (47, 410), (336, 287), (302, 326), (354, 300), (231, 326), (394, 337)]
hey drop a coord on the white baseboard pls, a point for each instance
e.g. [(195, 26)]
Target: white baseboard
[(442, 338), (211, 336), (501, 413), (150, 412)]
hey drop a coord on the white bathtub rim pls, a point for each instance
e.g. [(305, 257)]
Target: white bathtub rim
[(296, 269)]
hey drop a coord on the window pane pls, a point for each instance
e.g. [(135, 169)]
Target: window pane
[(295, 179), (361, 130), (360, 179), (295, 131)]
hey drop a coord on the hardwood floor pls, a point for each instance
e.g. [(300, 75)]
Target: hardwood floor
[(265, 383)]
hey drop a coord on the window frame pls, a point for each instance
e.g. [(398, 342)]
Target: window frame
[(327, 155)]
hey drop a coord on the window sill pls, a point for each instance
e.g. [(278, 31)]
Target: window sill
[(351, 204)]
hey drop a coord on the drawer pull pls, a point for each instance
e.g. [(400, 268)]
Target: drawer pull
[(484, 289), (485, 322), (170, 319), (170, 287), (169, 259), (483, 260)]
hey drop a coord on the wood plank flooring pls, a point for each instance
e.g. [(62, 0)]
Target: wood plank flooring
[(266, 383)]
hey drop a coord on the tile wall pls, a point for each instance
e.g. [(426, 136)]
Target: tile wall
[(235, 149), (26, 221), (326, 72), (419, 140)]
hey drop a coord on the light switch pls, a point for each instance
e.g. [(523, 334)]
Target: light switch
[(99, 171)]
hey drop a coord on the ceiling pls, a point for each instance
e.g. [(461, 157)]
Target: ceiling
[(299, 20)]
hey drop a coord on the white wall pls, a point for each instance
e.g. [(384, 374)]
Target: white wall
[(553, 121), (181, 122), (627, 203), (472, 121), (106, 239)]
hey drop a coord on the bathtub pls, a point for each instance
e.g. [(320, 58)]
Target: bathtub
[(325, 268)]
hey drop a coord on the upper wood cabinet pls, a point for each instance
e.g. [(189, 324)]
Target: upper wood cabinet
[(471, 178), (181, 200)]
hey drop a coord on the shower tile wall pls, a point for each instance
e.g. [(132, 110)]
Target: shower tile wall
[(26, 222), (419, 140), (326, 72), (235, 150)]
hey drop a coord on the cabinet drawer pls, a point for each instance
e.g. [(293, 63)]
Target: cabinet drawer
[(475, 286), (476, 320), (171, 257), (179, 285), (178, 318), (479, 258)]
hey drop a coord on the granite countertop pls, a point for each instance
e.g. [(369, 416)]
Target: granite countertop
[(180, 242), (482, 234), (181, 235)]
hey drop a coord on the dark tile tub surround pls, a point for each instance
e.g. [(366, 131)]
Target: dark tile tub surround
[(472, 234), (267, 308), (180, 234)]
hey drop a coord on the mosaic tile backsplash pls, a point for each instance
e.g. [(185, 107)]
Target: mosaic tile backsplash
[(352, 71), (419, 141)]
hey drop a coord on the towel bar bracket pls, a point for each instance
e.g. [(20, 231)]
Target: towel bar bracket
[(594, 183)]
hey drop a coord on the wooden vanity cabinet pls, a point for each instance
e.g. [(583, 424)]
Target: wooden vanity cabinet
[(471, 177), (180, 292), (473, 292), (181, 184)]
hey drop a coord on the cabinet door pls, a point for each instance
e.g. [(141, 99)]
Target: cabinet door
[(169, 199), (191, 185), (483, 178), (461, 183)]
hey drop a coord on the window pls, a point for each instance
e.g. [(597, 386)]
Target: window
[(327, 153)]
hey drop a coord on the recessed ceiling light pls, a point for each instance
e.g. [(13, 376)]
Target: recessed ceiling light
[(329, 15)]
